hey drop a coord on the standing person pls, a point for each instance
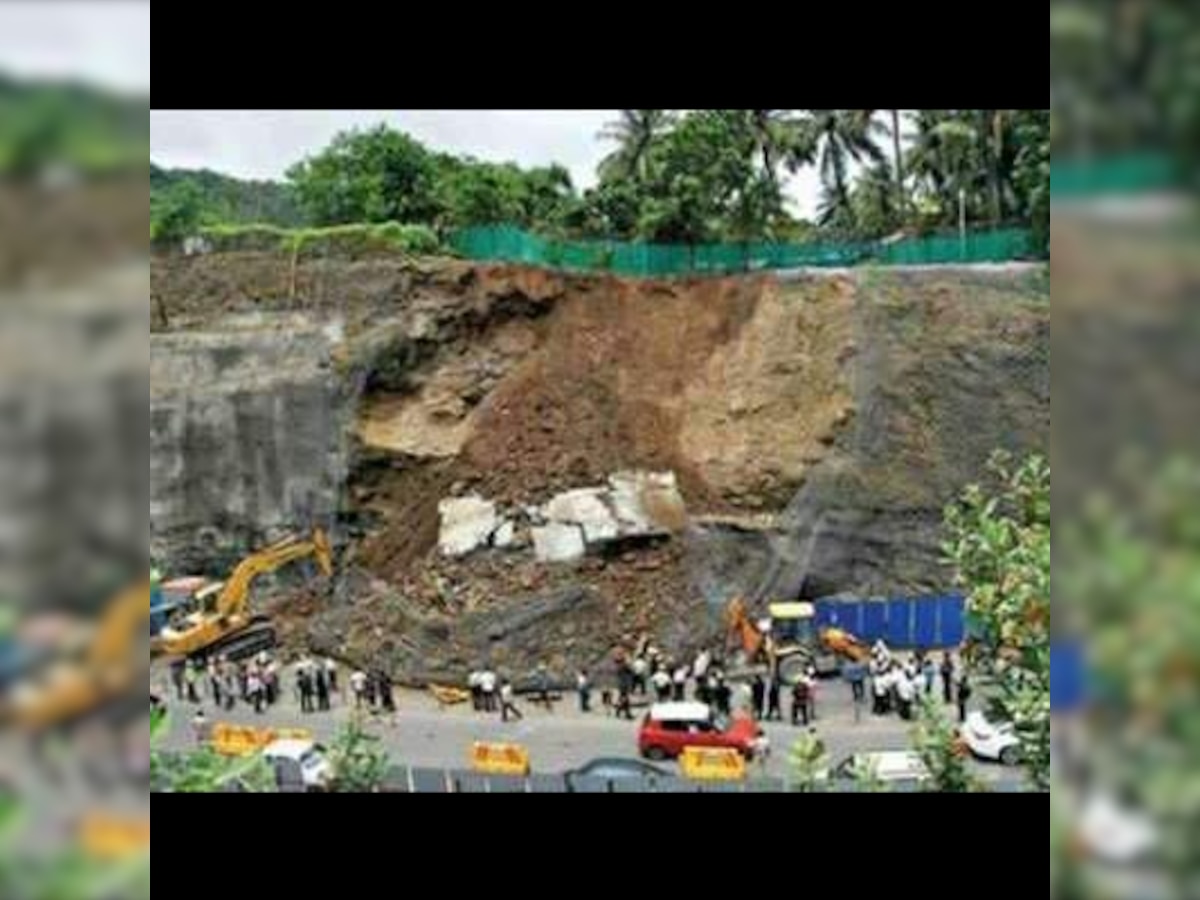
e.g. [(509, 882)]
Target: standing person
[(372, 692), (758, 697), (583, 684), (722, 695), (200, 727), (304, 687), (258, 694), (947, 671), (813, 682), (801, 697), (964, 696), (331, 675), (624, 692), (387, 692), (680, 683), (641, 672), (929, 674), (543, 687), (358, 685), (230, 687), (214, 683), (321, 685), (906, 694), (880, 689), (190, 677), (272, 683), (701, 666), (475, 684), (508, 704), (662, 685), (856, 674), (774, 701), (179, 678), (487, 684)]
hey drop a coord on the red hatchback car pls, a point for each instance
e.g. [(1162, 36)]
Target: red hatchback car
[(670, 727)]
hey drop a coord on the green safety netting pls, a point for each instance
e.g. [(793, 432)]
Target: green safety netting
[(1122, 175), (507, 244)]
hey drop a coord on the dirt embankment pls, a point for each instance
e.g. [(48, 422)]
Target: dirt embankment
[(517, 384)]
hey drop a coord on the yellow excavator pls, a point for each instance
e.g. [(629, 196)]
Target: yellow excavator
[(110, 667), (789, 641), (229, 628)]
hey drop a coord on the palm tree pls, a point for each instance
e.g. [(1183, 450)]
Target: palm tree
[(634, 133), (901, 193), (774, 132), (833, 138)]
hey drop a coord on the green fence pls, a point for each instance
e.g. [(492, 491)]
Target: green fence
[(1125, 175), (506, 244)]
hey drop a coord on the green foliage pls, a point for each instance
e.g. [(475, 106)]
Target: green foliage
[(359, 760), (202, 771), (935, 739), (230, 200), (176, 214), (1130, 580), (342, 240), (999, 544), (46, 123)]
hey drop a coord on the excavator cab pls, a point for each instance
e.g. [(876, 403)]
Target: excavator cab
[(793, 624)]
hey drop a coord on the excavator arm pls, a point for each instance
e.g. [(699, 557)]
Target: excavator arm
[(234, 597), (845, 644), (742, 631), (118, 630)]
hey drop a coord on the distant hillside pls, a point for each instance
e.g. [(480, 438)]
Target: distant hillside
[(47, 122), (229, 200)]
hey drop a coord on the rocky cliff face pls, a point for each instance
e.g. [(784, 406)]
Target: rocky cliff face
[(246, 442), (815, 428)]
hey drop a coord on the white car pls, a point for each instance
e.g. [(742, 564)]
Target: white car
[(991, 741), (1113, 833), (300, 761)]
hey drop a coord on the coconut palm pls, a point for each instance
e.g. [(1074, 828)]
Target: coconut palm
[(634, 133), (833, 139)]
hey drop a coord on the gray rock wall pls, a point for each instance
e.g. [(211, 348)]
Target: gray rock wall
[(246, 441)]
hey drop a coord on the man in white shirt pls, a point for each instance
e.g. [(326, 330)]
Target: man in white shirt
[(487, 686), (641, 670), (475, 683), (358, 684), (680, 682), (662, 685)]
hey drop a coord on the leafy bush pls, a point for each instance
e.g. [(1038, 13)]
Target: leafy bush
[(342, 241)]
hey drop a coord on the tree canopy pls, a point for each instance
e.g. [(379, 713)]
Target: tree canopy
[(672, 176)]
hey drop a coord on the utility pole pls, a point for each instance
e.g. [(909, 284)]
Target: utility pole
[(962, 220)]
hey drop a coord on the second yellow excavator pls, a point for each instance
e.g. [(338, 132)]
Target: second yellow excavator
[(789, 641), (229, 628)]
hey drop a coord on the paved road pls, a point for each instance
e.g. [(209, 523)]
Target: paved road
[(422, 735)]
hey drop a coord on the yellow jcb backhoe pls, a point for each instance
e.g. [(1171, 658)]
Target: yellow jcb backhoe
[(111, 667), (229, 628)]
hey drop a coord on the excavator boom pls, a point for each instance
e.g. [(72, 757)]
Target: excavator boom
[(230, 620)]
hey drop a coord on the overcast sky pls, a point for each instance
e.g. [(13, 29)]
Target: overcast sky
[(264, 144), (107, 44)]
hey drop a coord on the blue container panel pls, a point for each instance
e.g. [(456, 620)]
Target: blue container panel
[(953, 628), (827, 613), (1066, 677), (875, 616), (851, 616), (926, 623), (899, 623)]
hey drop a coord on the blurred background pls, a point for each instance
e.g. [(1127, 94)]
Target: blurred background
[(74, 567), (1125, 105)]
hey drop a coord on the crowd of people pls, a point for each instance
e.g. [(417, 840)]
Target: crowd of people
[(646, 674), (258, 683)]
